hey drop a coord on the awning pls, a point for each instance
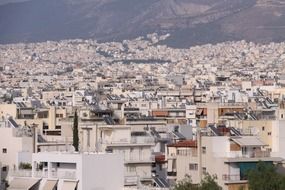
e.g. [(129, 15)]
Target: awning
[(50, 185), (69, 185), (248, 141), (22, 183)]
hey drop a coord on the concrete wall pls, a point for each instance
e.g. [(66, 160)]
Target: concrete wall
[(213, 159), (8, 109), (183, 167), (103, 173), (278, 139), (14, 145)]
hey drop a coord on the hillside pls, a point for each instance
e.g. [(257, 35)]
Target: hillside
[(190, 22)]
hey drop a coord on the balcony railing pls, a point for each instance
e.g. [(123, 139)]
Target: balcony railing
[(43, 174), (131, 180), (140, 159), (239, 154), (255, 154), (231, 177), (64, 174), (40, 174), (133, 140), (142, 140), (20, 173)]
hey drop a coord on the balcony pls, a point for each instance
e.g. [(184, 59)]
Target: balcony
[(145, 159), (240, 154), (253, 156), (20, 173), (142, 140), (131, 180), (233, 178), (64, 175), (127, 142), (43, 174)]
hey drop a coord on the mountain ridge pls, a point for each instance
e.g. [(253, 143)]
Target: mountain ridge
[(190, 22)]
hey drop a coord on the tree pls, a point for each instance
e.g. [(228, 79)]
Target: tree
[(208, 183), (265, 177), (186, 184), (75, 132)]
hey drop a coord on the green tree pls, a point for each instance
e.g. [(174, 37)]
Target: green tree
[(75, 132), (186, 184), (208, 183), (265, 177)]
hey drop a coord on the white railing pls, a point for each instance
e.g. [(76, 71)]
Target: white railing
[(133, 140), (142, 140), (40, 174), (235, 177), (140, 159), (20, 173), (239, 154), (64, 174), (131, 180)]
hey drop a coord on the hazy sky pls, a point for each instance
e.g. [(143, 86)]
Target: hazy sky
[(10, 1)]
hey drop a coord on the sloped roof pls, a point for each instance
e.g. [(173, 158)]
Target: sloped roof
[(248, 141)]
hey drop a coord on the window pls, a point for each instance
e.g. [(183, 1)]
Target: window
[(4, 150), (282, 116), (193, 167), (263, 128), (204, 170), (269, 133), (57, 127), (4, 169), (204, 150), (132, 169)]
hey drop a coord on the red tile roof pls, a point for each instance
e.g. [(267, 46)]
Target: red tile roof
[(185, 143), (160, 158)]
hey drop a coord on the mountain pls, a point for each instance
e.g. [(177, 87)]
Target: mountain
[(190, 22)]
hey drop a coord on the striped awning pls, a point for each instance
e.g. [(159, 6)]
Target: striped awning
[(22, 184), (69, 185), (50, 185)]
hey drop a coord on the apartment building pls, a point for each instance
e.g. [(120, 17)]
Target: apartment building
[(16, 146), (71, 171), (218, 153)]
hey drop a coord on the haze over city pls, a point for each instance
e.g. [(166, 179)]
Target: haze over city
[(142, 95)]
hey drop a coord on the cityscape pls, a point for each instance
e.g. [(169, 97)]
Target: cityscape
[(138, 114)]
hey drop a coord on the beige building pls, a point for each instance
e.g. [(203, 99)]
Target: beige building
[(16, 147), (227, 157)]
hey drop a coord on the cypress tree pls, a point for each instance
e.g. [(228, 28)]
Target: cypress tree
[(75, 132)]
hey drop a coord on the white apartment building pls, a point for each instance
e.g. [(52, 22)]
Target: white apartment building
[(70, 171), (136, 149)]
